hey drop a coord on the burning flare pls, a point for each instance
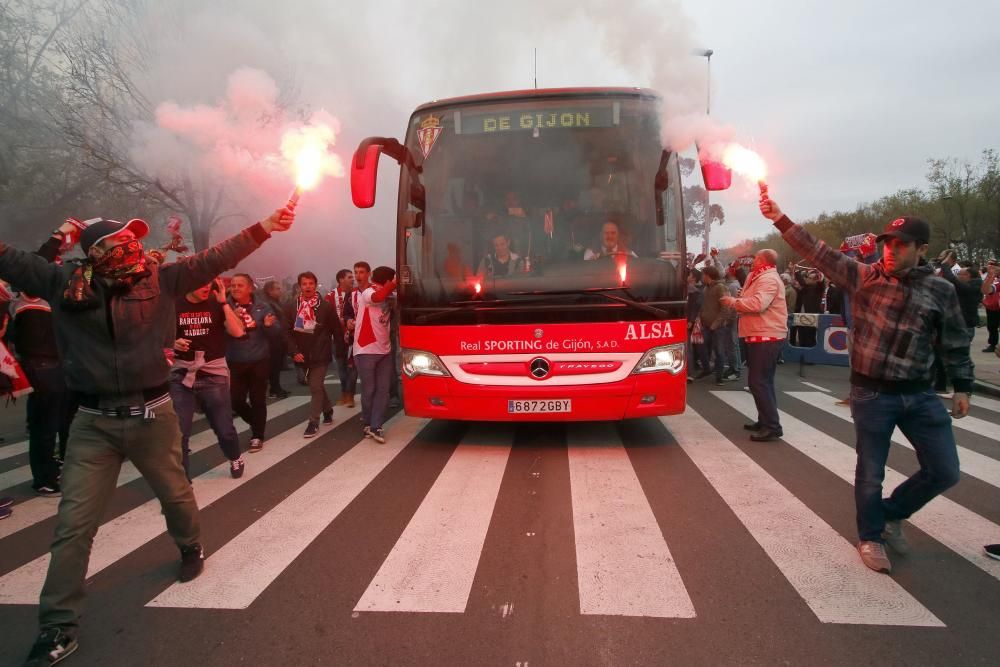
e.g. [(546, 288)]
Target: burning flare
[(307, 150), (745, 162)]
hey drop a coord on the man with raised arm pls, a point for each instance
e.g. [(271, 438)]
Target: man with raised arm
[(903, 317), (112, 312)]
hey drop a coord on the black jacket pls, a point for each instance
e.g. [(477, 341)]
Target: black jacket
[(317, 347), (117, 349), (969, 295)]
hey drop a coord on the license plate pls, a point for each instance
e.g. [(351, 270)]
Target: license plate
[(539, 406)]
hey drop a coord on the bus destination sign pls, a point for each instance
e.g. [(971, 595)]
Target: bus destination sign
[(542, 119)]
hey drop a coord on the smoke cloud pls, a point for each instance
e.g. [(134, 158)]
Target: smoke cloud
[(221, 75)]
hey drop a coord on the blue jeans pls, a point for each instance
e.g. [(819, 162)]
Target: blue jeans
[(924, 421), (716, 349), (375, 372), (348, 376), (213, 393), (762, 361)]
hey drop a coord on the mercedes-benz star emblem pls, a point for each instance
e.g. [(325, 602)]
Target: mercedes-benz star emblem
[(539, 368)]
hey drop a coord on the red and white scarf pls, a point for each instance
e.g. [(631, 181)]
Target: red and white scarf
[(755, 273), (305, 315)]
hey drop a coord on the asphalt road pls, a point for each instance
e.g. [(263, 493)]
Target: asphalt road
[(658, 541)]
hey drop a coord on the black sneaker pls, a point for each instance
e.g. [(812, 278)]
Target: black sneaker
[(52, 646), (752, 426), (992, 550), (990, 348), (50, 490), (6, 502), (279, 393), (5, 512), (236, 468), (312, 428), (192, 562), (328, 417)]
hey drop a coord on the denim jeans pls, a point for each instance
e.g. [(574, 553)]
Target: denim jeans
[(375, 372), (348, 376), (46, 412), (736, 347), (762, 361), (924, 421), (717, 341), (213, 393)]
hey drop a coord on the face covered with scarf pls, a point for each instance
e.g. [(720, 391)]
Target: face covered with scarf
[(118, 256)]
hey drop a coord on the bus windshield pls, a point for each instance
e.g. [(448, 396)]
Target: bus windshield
[(538, 210)]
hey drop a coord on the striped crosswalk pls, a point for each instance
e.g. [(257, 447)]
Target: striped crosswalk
[(624, 557)]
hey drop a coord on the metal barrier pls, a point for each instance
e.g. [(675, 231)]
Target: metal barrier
[(831, 340)]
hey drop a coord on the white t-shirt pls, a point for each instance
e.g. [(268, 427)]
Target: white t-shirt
[(371, 327)]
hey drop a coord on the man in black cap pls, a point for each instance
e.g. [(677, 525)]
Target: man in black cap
[(112, 312), (903, 318)]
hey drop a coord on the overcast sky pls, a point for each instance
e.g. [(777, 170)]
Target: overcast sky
[(847, 99), (850, 98)]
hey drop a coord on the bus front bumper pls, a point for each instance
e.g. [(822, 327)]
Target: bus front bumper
[(648, 395)]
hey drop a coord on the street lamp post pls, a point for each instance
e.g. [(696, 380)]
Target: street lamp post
[(707, 55)]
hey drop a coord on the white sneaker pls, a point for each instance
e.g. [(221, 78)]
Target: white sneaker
[(874, 557)]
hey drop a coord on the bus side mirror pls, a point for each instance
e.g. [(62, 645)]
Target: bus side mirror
[(716, 175), (364, 174)]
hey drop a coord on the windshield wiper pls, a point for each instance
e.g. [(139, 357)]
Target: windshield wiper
[(600, 291), (474, 305)]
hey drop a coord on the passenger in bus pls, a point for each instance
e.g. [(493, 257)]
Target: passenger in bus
[(611, 243), (501, 262), (517, 222)]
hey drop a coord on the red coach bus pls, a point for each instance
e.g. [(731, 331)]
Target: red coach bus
[(540, 244)]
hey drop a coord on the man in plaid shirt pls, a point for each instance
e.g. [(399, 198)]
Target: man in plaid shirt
[(904, 317)]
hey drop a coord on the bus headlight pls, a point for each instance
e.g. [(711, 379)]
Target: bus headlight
[(418, 362), (668, 358)]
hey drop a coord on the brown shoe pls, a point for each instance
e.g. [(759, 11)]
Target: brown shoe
[(350, 401)]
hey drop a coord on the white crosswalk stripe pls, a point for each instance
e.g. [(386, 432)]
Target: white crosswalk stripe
[(35, 510), (18, 448), (820, 564), (961, 530), (13, 449), (624, 567), (973, 464), (433, 564), (129, 531), (991, 404), (263, 551)]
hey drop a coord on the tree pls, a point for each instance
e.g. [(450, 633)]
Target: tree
[(695, 197)]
